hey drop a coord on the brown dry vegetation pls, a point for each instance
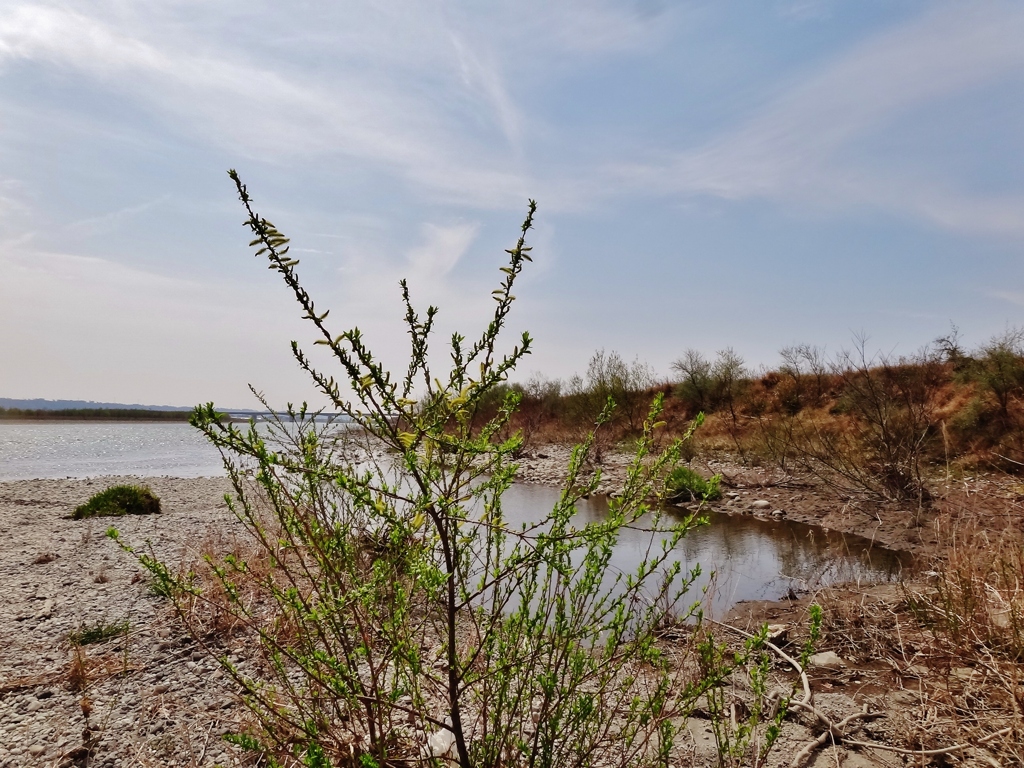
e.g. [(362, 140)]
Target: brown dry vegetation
[(874, 424), (941, 656)]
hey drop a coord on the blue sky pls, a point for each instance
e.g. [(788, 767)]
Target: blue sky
[(708, 174)]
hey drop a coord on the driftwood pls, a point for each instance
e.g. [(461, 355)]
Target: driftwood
[(837, 732)]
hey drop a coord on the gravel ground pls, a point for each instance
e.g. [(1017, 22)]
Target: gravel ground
[(152, 699), (149, 697)]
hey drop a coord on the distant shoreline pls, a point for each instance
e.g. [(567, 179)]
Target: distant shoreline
[(36, 415), (90, 414)]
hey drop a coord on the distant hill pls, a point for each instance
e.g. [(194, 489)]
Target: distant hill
[(38, 404), (89, 410)]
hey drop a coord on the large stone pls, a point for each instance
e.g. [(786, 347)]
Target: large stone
[(439, 744), (826, 660), (760, 504), (914, 671)]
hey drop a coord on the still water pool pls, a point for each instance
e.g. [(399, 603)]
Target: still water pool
[(742, 557)]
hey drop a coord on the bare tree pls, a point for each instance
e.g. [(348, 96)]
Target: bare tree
[(728, 375), (808, 366), (886, 420), (696, 382), (610, 377)]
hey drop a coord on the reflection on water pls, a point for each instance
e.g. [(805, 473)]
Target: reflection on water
[(91, 449), (752, 559)]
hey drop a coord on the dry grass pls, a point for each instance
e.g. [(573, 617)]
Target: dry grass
[(953, 643), (934, 415), (77, 678), (978, 596), (210, 615), (85, 669), (933, 696)]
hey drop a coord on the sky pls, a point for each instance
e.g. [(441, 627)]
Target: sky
[(708, 175)]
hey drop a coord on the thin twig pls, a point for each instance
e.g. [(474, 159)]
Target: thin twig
[(808, 699), (1018, 463), (206, 742), (928, 752), (834, 732)]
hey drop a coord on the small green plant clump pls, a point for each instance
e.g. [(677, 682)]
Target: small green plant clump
[(684, 484), (98, 633), (119, 500)]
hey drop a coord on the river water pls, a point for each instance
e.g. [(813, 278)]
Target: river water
[(30, 450), (751, 559)]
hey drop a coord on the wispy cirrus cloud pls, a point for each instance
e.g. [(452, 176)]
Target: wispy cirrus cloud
[(1013, 297), (441, 250), (224, 97), (110, 221), (420, 91), (803, 146)]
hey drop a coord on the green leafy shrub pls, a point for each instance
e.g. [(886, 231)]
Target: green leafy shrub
[(119, 500), (684, 484), (398, 616), (1000, 368), (977, 415)]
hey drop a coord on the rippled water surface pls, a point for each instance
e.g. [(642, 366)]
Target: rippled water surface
[(751, 559), (88, 449)]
